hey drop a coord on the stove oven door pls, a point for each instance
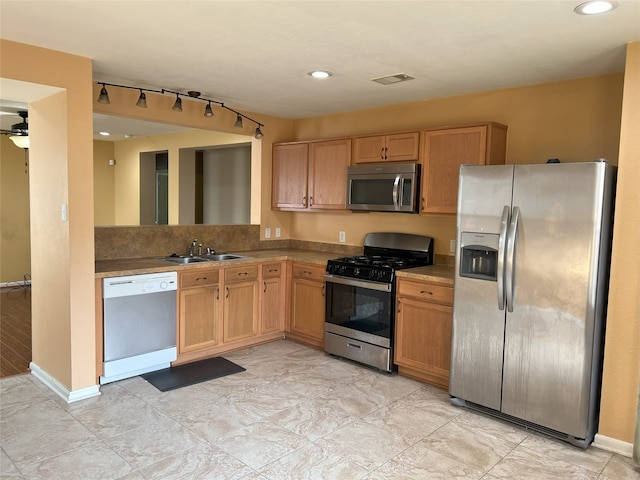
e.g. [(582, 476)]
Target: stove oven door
[(359, 309)]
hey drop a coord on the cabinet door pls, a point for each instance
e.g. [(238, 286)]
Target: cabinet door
[(402, 147), (369, 149), (444, 152), (198, 319), (307, 311), (272, 298), (240, 317), (289, 176), (423, 340), (328, 162)]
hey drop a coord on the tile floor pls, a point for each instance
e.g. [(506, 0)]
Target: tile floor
[(294, 414)]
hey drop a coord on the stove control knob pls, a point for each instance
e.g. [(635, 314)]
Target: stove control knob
[(372, 274), (356, 272)]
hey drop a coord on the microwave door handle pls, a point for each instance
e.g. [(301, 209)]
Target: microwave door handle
[(396, 186)]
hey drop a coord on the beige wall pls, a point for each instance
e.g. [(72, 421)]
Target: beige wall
[(127, 169), (622, 347), (577, 120), (104, 202), (62, 260), (15, 261)]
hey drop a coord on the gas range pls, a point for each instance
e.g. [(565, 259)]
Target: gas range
[(360, 297)]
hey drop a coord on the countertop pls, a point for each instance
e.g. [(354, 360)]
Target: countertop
[(431, 273), (134, 266)]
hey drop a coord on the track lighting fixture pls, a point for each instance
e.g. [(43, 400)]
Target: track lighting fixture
[(104, 96), (142, 100), (177, 106)]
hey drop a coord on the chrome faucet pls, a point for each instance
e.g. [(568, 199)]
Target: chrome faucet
[(191, 248)]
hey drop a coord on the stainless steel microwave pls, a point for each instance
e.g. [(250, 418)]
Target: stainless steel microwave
[(383, 187)]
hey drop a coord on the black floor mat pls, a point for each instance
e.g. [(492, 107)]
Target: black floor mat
[(191, 373)]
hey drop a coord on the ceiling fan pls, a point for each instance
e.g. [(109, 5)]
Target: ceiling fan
[(19, 133)]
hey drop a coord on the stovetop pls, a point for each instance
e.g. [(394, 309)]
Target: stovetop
[(384, 253), (376, 267)]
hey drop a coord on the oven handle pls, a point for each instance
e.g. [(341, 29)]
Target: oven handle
[(382, 287)]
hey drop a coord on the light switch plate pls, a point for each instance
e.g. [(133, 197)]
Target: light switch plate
[(342, 237), (277, 232), (267, 232), (452, 246)]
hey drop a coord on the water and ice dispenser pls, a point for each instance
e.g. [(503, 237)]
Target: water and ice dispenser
[(479, 255)]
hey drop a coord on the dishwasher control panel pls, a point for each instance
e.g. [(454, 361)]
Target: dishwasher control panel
[(139, 284)]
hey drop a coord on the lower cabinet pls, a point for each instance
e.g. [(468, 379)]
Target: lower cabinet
[(424, 316), (306, 322), (198, 310), (240, 305), (272, 298)]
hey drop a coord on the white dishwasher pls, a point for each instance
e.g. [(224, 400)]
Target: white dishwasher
[(139, 324)]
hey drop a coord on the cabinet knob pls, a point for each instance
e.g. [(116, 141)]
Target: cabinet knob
[(382, 153), (425, 291), (200, 278), (265, 286), (227, 294)]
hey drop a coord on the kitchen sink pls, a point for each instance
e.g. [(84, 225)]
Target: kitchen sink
[(222, 256), (184, 259)]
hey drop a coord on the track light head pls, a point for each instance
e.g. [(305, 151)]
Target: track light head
[(207, 110), (104, 95), (238, 123), (177, 107), (142, 100), (259, 133)]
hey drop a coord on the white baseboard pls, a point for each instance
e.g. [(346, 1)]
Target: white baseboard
[(613, 445), (59, 389)]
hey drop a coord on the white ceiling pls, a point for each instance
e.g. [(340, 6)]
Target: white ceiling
[(254, 55)]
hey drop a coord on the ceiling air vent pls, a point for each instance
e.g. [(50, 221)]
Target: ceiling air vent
[(397, 78)]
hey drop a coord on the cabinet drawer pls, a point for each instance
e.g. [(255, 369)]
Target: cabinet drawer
[(199, 278), (426, 291), (241, 274), (311, 272), (272, 270)]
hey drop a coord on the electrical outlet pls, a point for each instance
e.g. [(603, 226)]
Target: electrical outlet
[(452, 246), (277, 232), (342, 237), (267, 232)]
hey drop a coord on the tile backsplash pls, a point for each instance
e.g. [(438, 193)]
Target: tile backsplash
[(160, 240)]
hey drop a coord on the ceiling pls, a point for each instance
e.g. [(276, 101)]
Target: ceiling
[(255, 55)]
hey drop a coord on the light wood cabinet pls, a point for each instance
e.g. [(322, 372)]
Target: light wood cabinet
[(310, 175), (424, 317), (289, 176), (445, 149), (198, 310), (306, 321), (396, 147), (328, 163), (240, 304), (272, 298)]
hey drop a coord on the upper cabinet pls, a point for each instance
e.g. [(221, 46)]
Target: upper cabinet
[(445, 149), (289, 177), (397, 147), (310, 175)]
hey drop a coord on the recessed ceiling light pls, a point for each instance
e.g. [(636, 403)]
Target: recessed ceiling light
[(320, 74), (594, 7), (105, 134)]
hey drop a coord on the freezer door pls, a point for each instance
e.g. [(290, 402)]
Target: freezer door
[(478, 322), (549, 336)]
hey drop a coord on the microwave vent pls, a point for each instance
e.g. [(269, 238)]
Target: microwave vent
[(391, 79)]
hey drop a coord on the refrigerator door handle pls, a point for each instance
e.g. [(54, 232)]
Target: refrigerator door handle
[(511, 251), (504, 225)]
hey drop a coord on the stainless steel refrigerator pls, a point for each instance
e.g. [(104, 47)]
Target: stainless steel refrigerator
[(530, 293)]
